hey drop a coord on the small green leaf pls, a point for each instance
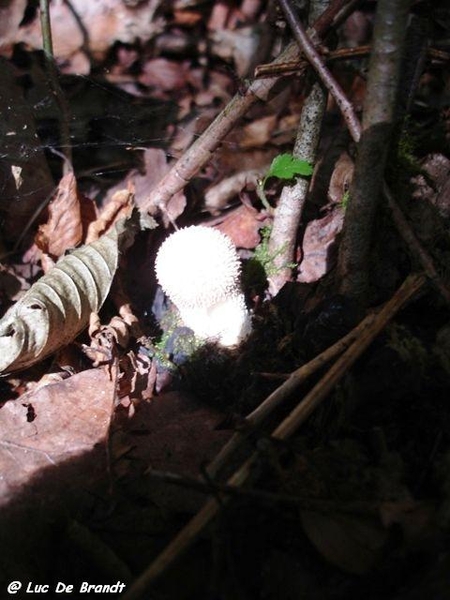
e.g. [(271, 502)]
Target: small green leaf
[(286, 166)]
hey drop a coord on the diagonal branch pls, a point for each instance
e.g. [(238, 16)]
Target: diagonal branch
[(307, 47)]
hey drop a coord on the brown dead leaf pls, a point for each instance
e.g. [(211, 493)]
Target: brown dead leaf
[(219, 16), (164, 75), (64, 229), (181, 433), (138, 378), (259, 132), (120, 206), (357, 29), (11, 15), (351, 543), (341, 178), (246, 46), (242, 226), (98, 24), (186, 18), (58, 422), (318, 245), (219, 195)]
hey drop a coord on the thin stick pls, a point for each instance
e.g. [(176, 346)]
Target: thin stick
[(211, 508), (264, 497), (47, 42), (283, 392), (270, 70), (324, 74), (299, 415)]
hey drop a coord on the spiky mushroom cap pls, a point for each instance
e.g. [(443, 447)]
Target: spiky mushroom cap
[(198, 266), (199, 269)]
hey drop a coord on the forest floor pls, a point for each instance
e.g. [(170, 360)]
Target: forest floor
[(312, 461)]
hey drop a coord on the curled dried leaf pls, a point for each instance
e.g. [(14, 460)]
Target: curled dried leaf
[(58, 306)]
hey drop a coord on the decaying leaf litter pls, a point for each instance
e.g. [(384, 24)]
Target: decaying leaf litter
[(361, 490)]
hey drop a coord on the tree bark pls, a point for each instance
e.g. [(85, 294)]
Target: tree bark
[(379, 110)]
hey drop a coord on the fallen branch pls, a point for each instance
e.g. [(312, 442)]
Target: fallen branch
[(361, 507), (284, 392)]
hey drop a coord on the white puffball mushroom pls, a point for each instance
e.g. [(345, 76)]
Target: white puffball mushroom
[(199, 270)]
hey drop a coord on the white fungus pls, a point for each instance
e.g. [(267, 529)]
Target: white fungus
[(199, 270)]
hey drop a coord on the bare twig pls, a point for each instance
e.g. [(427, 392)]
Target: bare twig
[(283, 392), (290, 205), (211, 508), (270, 70), (262, 496), (201, 150), (47, 42), (298, 416), (317, 62)]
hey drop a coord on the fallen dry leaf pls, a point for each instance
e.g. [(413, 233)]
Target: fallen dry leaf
[(341, 178), (46, 428), (245, 46), (435, 188), (11, 15), (98, 24), (219, 195), (164, 75), (351, 543), (63, 229), (242, 226), (318, 245), (120, 206), (186, 18), (58, 306), (258, 132)]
